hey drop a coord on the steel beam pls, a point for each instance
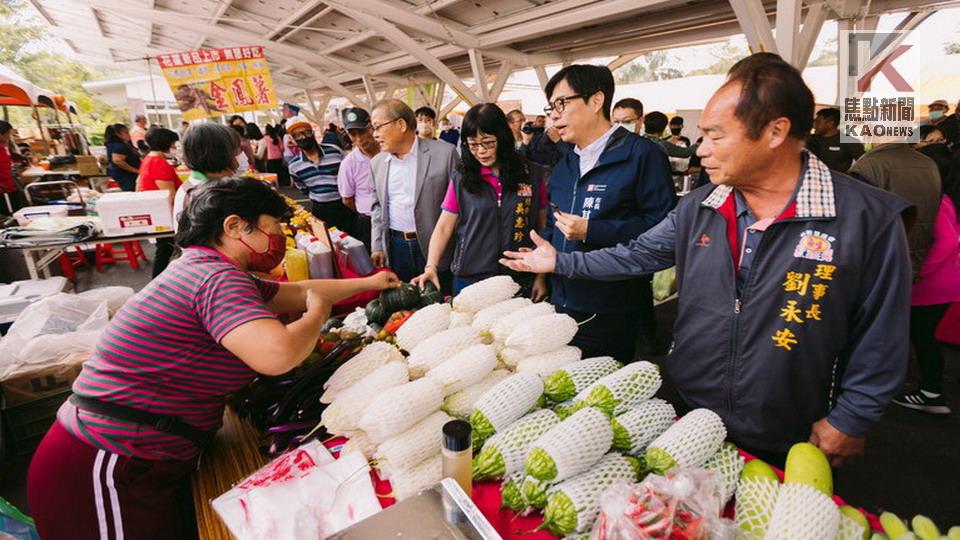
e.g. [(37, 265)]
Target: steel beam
[(479, 73), (405, 42), (812, 24), (788, 29)]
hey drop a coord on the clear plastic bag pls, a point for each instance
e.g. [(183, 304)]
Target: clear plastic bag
[(51, 329), (115, 297), (680, 506)]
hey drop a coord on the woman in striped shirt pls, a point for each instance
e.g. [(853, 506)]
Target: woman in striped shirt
[(117, 461)]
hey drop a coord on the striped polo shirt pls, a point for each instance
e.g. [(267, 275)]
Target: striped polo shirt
[(161, 353), (318, 181)]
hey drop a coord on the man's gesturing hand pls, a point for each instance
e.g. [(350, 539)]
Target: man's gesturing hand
[(541, 260)]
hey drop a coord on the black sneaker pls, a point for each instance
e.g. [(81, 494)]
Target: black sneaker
[(920, 402)]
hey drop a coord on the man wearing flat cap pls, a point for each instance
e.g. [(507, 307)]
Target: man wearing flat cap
[(314, 171), (356, 186)]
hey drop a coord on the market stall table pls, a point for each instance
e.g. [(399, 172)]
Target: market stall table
[(35, 173), (47, 254)]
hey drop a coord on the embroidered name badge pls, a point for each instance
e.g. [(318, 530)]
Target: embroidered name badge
[(524, 190), (599, 188), (815, 245)]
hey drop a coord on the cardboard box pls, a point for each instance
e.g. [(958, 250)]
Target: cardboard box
[(88, 166), (44, 381), (129, 213)]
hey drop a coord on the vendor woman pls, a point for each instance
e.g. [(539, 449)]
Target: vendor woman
[(198, 332), (495, 201)]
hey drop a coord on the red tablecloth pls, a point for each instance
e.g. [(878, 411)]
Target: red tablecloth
[(486, 495)]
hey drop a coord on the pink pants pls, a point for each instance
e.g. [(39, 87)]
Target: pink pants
[(79, 492)]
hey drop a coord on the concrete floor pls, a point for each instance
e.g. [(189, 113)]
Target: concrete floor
[(910, 466)]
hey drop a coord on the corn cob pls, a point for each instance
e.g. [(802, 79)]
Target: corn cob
[(397, 409), (506, 325), (688, 443), (504, 404), (510, 357), (571, 446), (575, 504), (504, 453), (549, 363), (485, 318), (362, 364), (486, 293), (542, 334), (426, 322), (569, 381), (424, 475), (459, 319), (621, 390), (638, 427), (344, 413), (460, 405), (412, 446), (432, 351), (464, 369)]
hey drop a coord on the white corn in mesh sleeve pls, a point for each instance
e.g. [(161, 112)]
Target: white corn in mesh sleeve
[(804, 512), (693, 439), (578, 442)]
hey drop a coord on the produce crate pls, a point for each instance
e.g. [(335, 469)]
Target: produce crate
[(27, 423)]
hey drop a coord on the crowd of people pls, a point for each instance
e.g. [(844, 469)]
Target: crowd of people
[(798, 257)]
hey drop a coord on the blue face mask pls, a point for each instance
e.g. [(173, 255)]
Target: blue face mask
[(936, 115)]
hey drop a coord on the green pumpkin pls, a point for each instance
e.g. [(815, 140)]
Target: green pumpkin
[(430, 295), (331, 324), (376, 312), (406, 296)]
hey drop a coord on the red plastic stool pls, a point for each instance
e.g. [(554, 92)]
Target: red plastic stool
[(109, 254), (70, 262)]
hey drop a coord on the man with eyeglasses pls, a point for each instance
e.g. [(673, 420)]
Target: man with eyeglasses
[(410, 177), (314, 172), (610, 188)]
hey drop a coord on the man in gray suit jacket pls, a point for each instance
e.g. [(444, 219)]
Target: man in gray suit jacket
[(410, 178)]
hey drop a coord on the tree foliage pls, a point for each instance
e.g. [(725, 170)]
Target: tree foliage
[(725, 56), (651, 66), (27, 48)]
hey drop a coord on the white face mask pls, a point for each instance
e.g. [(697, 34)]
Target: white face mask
[(629, 126), (424, 127)]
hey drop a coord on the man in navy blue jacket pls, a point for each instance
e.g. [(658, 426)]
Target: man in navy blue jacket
[(793, 280), (611, 187)]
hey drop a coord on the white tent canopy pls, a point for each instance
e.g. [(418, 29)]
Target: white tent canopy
[(363, 50)]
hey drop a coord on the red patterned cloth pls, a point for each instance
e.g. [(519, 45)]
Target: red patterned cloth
[(486, 495)]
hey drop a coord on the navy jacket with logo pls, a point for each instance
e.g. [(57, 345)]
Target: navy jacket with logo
[(820, 328), (627, 192)]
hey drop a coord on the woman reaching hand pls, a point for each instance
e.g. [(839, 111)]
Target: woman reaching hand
[(117, 461)]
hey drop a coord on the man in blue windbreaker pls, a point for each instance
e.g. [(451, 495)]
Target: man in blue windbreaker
[(793, 280), (611, 187)]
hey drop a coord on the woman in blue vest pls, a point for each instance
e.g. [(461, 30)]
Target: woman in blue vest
[(492, 203)]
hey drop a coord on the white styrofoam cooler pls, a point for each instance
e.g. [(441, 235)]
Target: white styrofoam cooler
[(127, 213)]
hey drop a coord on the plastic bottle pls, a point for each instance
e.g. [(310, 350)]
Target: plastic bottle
[(295, 263), (457, 454), (304, 239), (357, 254), (319, 260)]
